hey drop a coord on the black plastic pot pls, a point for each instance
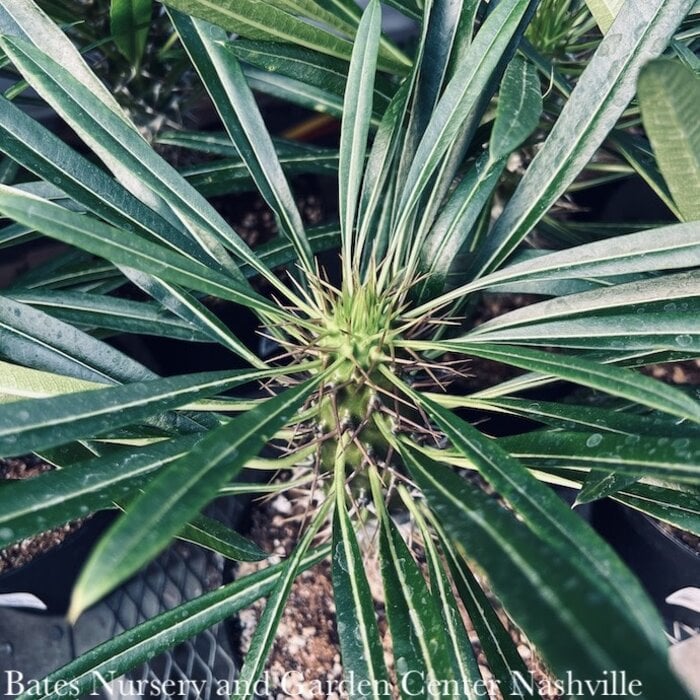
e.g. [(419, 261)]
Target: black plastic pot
[(34, 643), (663, 563), (51, 575)]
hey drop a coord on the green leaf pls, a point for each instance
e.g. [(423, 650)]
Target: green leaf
[(452, 232), (616, 381), (536, 582), (519, 108), (279, 252), (211, 534), (141, 643), (494, 639), (642, 297), (109, 313), (604, 12), (129, 23), (599, 485), (231, 175), (637, 152), (638, 331), (311, 9), (670, 505), (441, 23), (380, 168), (38, 340), (22, 383), (306, 66), (30, 506), (272, 20), (459, 98), (357, 107), (123, 148), (669, 93), (123, 248), (193, 312), (41, 152), (212, 143), (576, 417), (262, 20), (25, 19), (31, 425), (221, 74), (549, 517), (358, 633), (264, 635), (462, 652), (294, 91), (663, 248), (178, 493), (676, 459), (596, 103), (420, 646)]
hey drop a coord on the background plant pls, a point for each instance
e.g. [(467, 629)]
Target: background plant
[(365, 404)]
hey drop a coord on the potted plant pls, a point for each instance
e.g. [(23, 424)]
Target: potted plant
[(366, 397)]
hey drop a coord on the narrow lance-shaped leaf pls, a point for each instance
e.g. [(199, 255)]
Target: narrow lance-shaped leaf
[(669, 94), (357, 108), (362, 653), (632, 331), (599, 98), (211, 534), (616, 381), (38, 340), (604, 12), (119, 146), (495, 640), (550, 518), (517, 115), (306, 66), (675, 459), (129, 21), (632, 147), (465, 664), (295, 92), (678, 508), (24, 18), (234, 101), (30, 425), (678, 292), (230, 175), (262, 20), (123, 248), (30, 506), (40, 151), (274, 21), (421, 651), (569, 416), (664, 248), (109, 313), (535, 582), (599, 485), (378, 171), (178, 493), (265, 632), (187, 307), (459, 97)]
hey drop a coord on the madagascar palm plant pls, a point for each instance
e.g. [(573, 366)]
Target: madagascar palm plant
[(367, 400)]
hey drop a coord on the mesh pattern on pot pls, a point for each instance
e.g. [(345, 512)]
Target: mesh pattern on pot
[(195, 668)]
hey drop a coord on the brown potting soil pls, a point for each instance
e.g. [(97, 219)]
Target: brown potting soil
[(23, 552), (305, 656)]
